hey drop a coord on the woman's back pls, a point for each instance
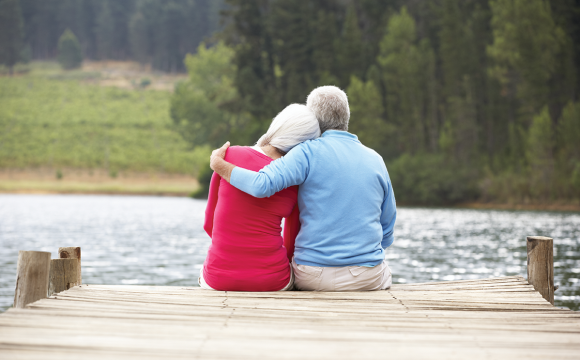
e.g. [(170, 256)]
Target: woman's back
[(247, 252)]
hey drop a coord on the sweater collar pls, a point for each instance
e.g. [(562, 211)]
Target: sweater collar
[(340, 134)]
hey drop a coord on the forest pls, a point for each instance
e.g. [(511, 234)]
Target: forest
[(466, 100), (149, 31)]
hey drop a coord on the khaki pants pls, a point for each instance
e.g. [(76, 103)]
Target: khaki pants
[(349, 278)]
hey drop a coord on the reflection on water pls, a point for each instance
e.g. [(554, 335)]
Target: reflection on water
[(160, 241)]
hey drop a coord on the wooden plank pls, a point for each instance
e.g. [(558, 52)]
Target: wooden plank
[(491, 319), (541, 265), (64, 274), (72, 253), (31, 277)]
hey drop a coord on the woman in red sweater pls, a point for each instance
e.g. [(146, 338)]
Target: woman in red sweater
[(247, 251)]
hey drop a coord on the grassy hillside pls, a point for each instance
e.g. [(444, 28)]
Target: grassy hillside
[(59, 120)]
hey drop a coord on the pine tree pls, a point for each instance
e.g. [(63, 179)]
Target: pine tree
[(351, 48), (257, 75), (168, 36), (69, 15), (291, 23), (206, 107), (11, 28), (104, 31), (366, 116), (69, 51), (407, 67), (459, 65), (569, 141), (323, 48), (566, 14), (139, 37), (121, 11), (525, 47), (540, 155)]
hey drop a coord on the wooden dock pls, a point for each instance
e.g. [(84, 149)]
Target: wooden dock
[(500, 318)]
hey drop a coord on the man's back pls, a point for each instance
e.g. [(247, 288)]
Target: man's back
[(347, 205)]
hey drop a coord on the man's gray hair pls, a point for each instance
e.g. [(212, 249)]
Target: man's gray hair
[(330, 105), (293, 125)]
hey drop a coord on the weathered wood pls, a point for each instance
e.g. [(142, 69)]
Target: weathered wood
[(457, 320), (31, 277), (72, 253), (541, 265), (63, 275)]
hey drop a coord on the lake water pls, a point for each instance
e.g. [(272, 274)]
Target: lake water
[(160, 241)]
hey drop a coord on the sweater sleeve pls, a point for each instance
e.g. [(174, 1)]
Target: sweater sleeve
[(212, 199), (291, 230), (292, 169), (388, 213)]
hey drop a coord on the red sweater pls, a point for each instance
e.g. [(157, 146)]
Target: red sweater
[(247, 252)]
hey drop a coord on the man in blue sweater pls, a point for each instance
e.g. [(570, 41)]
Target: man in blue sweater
[(346, 201)]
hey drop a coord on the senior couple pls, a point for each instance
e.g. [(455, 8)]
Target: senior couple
[(334, 195)]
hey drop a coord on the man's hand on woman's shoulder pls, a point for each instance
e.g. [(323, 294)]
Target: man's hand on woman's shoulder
[(219, 165)]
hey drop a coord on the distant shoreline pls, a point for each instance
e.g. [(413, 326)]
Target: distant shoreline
[(508, 207), (159, 191), (96, 192), (527, 207), (97, 183)]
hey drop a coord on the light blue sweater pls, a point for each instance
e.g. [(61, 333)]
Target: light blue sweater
[(346, 201)]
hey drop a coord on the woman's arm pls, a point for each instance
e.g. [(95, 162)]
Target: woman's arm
[(291, 229), (212, 199)]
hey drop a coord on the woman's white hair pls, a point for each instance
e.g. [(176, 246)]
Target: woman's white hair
[(330, 105), (293, 125)]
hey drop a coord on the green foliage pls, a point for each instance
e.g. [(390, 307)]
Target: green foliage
[(540, 154), (144, 83), (467, 85), (18, 68), (406, 66), (366, 114), (104, 31), (139, 38), (206, 108), (568, 136), (428, 179), (569, 131), (484, 89), (69, 51), (153, 32), (351, 49), (168, 30), (290, 26), (462, 37), (204, 179), (526, 45), (324, 60), (11, 33), (66, 124)]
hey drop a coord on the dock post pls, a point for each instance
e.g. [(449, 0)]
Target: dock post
[(72, 253), (31, 277), (541, 265), (63, 275)]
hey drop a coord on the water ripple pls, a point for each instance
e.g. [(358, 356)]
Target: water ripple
[(160, 241)]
